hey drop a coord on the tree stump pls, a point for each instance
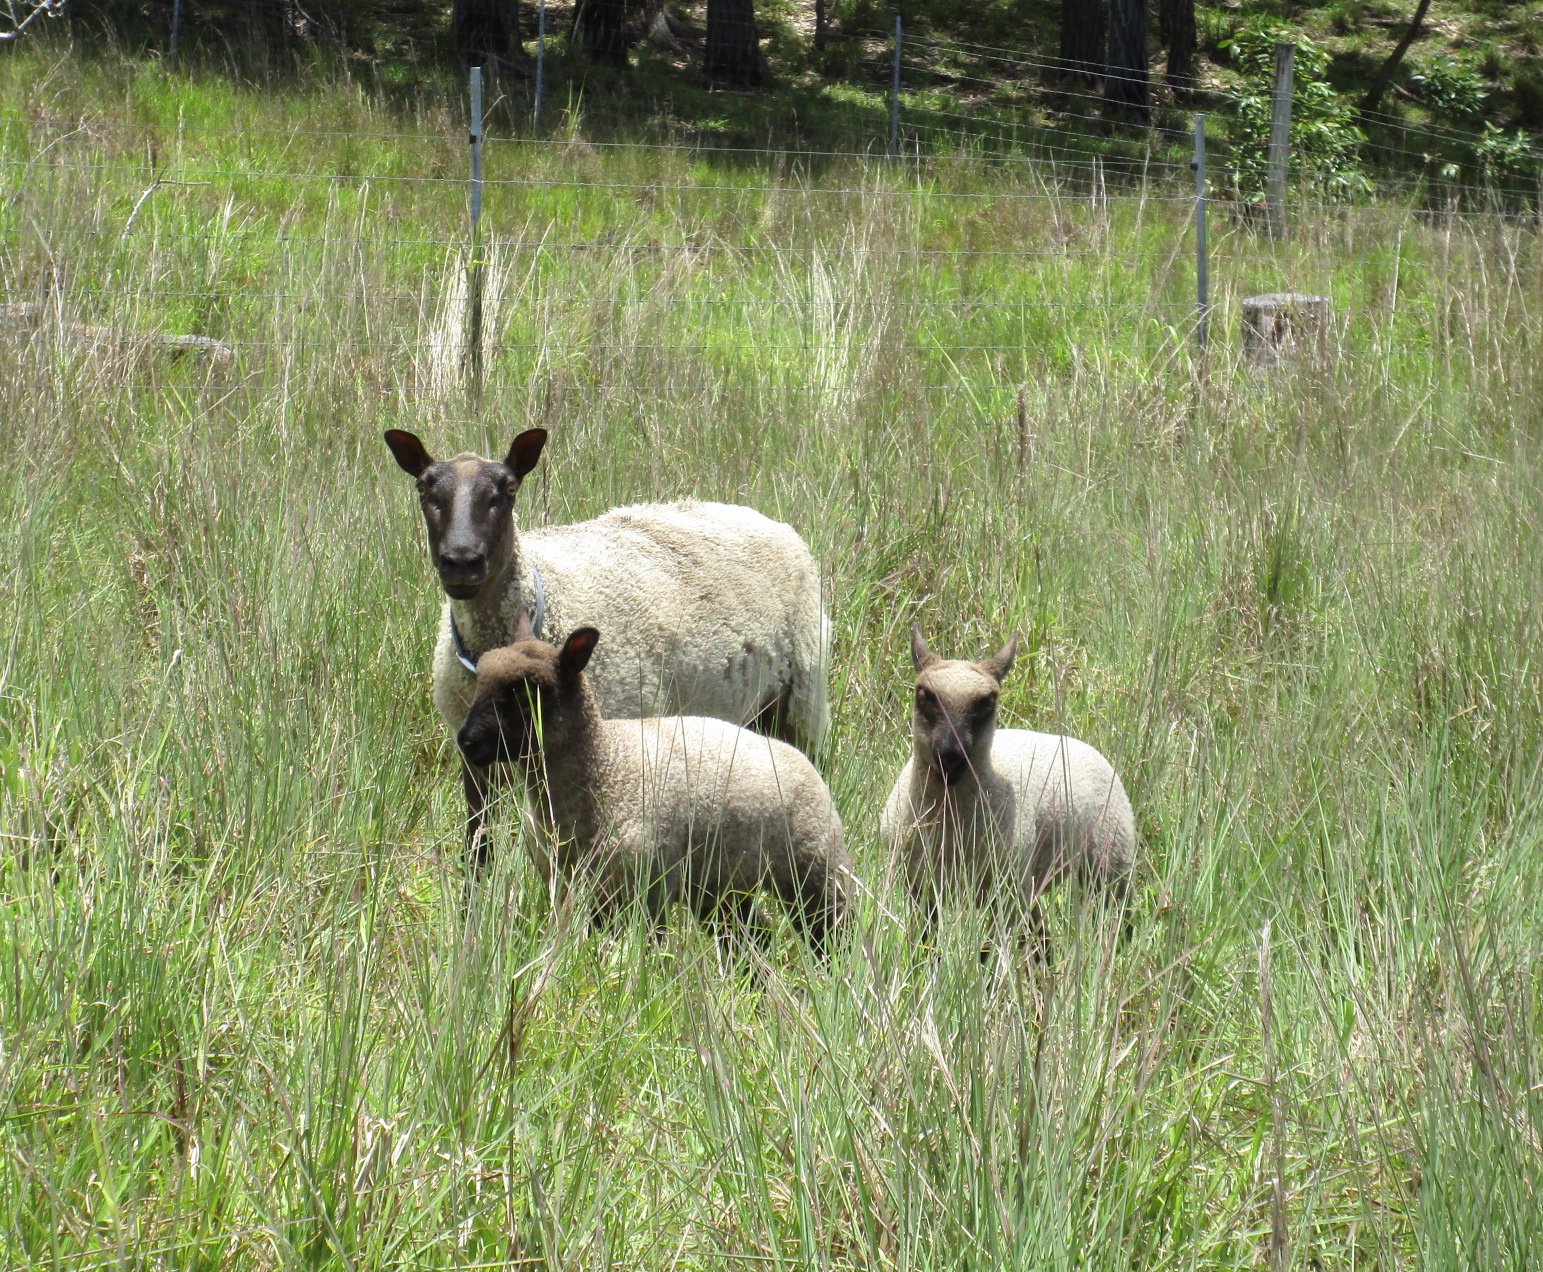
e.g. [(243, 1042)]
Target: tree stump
[(1285, 326)]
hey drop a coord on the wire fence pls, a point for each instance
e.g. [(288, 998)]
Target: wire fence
[(961, 274)]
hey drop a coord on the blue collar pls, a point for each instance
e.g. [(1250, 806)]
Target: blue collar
[(537, 618)]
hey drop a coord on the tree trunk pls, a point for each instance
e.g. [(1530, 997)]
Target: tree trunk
[(601, 28), (821, 23), (1084, 35), (1127, 88), (1176, 18), (1373, 97), (733, 44), (487, 34)]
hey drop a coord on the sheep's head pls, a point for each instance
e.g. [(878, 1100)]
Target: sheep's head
[(525, 699), (468, 507), (954, 716)]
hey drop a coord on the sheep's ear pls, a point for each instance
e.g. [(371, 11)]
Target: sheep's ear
[(576, 651), (921, 656), (525, 451), (410, 454), (1001, 662), (522, 628)]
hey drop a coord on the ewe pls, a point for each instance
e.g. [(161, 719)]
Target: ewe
[(673, 808), (716, 608), (998, 814)]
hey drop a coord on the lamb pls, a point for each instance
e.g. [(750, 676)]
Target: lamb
[(665, 809), (998, 813), (717, 609)]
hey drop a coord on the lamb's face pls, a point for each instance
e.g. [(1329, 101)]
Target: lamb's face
[(468, 507), (515, 706), (954, 718), (529, 695), (954, 713)]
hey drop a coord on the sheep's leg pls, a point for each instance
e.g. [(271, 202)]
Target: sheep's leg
[(1034, 936), (476, 784), (738, 925), (814, 903), (775, 719)]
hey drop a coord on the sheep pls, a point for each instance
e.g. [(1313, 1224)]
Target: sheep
[(998, 814), (663, 809), (717, 609)]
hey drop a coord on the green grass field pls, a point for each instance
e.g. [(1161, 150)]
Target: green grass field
[(244, 1020)]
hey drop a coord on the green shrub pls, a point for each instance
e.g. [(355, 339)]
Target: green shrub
[(1527, 96), (1324, 135), (1450, 87), (1347, 17)]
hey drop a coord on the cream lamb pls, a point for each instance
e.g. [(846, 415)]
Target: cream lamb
[(665, 809), (998, 814), (714, 609)]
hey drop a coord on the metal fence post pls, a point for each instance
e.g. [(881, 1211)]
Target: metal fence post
[(1280, 138), (540, 58), (473, 361), (1202, 278), (894, 98)]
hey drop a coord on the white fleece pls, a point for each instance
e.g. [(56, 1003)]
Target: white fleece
[(1043, 806), (708, 609), (686, 808)]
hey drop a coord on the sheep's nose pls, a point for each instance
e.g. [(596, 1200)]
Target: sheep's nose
[(475, 745), (463, 558), (951, 763)]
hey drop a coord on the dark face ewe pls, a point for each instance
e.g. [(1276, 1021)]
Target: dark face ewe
[(525, 697), (468, 507), (955, 712)]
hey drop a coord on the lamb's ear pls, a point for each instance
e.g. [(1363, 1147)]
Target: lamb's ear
[(409, 451), (921, 656), (576, 651), (522, 628), (1001, 662), (524, 451)]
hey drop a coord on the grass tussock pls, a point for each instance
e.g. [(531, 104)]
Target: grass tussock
[(244, 1022)]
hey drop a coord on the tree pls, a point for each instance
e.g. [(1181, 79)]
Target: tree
[(601, 27), (733, 44), (1126, 86), (487, 34), (1084, 34), (1373, 97), (1176, 21)]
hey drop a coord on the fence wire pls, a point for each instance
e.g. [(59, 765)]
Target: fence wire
[(650, 287)]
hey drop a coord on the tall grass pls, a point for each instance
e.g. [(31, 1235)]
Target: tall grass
[(244, 1019)]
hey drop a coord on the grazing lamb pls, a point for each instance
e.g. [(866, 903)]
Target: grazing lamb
[(716, 608), (999, 814), (671, 808)]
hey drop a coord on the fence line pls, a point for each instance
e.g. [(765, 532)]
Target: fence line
[(1078, 323)]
